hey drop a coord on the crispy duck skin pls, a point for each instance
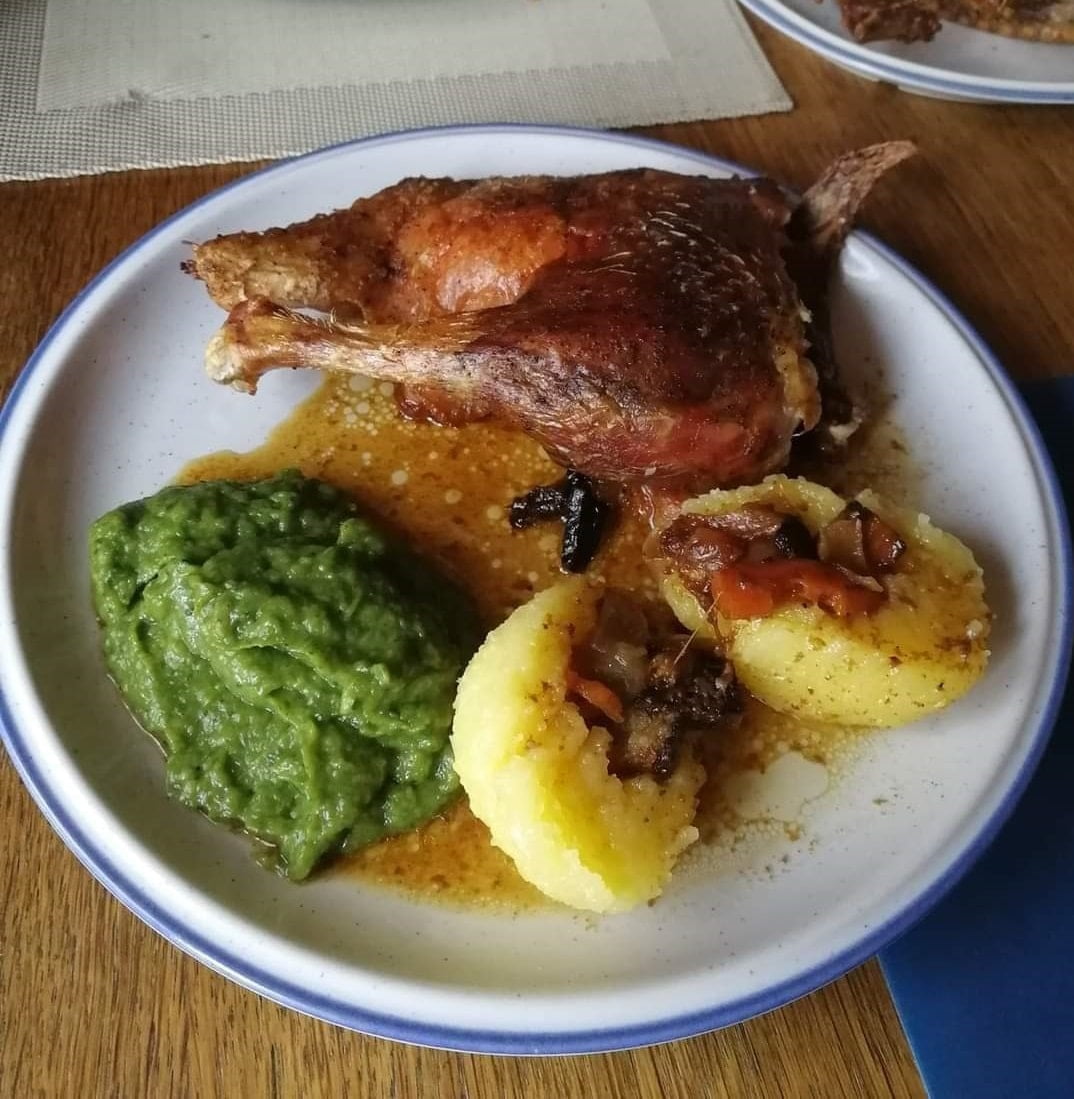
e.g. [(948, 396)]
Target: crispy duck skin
[(641, 325)]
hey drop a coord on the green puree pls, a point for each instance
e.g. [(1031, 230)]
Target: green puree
[(297, 666)]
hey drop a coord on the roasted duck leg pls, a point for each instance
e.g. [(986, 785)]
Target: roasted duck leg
[(641, 325)]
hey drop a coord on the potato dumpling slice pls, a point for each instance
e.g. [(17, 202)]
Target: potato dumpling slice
[(538, 776), (925, 647)]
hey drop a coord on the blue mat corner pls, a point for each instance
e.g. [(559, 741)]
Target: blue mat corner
[(984, 985)]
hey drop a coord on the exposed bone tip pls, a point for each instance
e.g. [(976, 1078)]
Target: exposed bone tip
[(900, 147), (223, 365), (891, 153), (869, 162)]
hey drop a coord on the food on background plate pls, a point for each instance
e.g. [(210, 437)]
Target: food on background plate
[(855, 613), (296, 665), (919, 20), (573, 740)]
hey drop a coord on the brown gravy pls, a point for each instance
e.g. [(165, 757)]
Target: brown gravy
[(447, 491)]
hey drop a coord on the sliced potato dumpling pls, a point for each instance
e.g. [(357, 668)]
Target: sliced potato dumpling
[(538, 776), (917, 652)]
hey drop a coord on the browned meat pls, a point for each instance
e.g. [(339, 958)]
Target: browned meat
[(689, 692), (900, 20), (1037, 20), (698, 547), (617, 654), (655, 691), (919, 20), (641, 325)]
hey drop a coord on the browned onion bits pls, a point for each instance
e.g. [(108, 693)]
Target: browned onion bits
[(573, 500)]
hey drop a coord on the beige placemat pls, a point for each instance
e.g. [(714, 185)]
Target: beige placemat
[(101, 85)]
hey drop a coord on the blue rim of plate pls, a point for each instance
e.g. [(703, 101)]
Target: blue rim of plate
[(398, 1028), (906, 74)]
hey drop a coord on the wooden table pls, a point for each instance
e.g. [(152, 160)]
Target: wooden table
[(92, 1003)]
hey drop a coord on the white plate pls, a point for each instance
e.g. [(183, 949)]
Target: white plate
[(112, 404), (959, 63)]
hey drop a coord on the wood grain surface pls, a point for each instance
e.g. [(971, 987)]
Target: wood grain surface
[(92, 1003)]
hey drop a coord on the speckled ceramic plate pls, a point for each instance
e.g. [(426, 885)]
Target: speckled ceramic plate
[(114, 402), (959, 63)]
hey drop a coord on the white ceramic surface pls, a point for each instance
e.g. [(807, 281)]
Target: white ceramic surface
[(959, 63), (114, 402)]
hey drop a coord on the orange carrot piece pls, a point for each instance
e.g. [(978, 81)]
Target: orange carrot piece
[(753, 589), (598, 695)]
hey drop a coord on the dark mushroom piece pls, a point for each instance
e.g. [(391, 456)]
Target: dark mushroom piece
[(860, 541), (652, 690), (793, 539), (689, 690), (574, 500)]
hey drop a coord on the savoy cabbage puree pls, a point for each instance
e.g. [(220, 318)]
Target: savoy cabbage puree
[(297, 666)]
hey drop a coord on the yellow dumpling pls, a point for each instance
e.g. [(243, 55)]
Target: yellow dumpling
[(538, 776), (924, 648)]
